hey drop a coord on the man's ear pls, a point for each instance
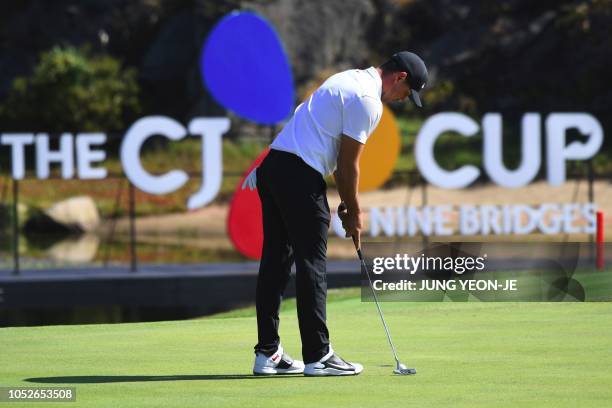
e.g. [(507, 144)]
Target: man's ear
[(402, 75)]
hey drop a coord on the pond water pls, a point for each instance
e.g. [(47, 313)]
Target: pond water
[(46, 251)]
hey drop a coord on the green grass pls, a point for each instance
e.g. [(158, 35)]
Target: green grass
[(532, 286), (466, 354)]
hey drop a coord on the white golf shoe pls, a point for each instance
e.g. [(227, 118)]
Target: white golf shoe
[(332, 364), (277, 363)]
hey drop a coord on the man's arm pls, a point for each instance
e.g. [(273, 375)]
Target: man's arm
[(347, 181)]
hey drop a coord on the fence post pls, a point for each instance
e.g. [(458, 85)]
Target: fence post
[(133, 259), (423, 204), (15, 227), (600, 241), (591, 199), (591, 177)]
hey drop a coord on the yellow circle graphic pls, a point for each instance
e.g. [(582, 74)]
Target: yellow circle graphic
[(380, 153)]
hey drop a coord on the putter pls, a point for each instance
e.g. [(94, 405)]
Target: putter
[(400, 368)]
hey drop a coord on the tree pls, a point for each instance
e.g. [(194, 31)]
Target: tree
[(71, 90)]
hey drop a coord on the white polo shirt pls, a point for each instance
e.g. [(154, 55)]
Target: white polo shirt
[(347, 103)]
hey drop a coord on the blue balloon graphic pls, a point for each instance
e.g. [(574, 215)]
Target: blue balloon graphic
[(245, 68)]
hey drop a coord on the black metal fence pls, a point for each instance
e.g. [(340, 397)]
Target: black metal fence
[(409, 178)]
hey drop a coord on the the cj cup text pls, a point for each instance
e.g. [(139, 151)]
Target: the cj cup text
[(83, 146), (414, 264), (80, 154), (557, 150)]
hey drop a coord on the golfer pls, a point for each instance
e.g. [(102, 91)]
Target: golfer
[(326, 135)]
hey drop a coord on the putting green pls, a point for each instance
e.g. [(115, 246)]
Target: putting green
[(466, 354)]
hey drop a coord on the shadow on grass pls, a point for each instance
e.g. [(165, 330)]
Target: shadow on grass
[(96, 379)]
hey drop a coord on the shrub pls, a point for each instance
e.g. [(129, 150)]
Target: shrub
[(72, 90)]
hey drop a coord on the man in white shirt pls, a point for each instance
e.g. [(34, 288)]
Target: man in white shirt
[(326, 135)]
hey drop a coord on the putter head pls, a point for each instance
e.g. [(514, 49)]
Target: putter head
[(401, 369)]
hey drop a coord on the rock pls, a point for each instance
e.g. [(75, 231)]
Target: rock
[(75, 250), (74, 215), (320, 35), (76, 212)]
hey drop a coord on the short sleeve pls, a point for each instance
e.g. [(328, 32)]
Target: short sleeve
[(360, 117)]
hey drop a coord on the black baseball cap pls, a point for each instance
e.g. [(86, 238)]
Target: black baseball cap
[(417, 73)]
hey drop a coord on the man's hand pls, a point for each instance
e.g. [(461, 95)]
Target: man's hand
[(352, 226), (351, 222), (342, 212)]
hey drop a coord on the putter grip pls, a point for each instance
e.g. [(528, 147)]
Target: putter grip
[(358, 249)]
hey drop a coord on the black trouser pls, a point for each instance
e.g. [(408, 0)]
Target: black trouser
[(295, 223)]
